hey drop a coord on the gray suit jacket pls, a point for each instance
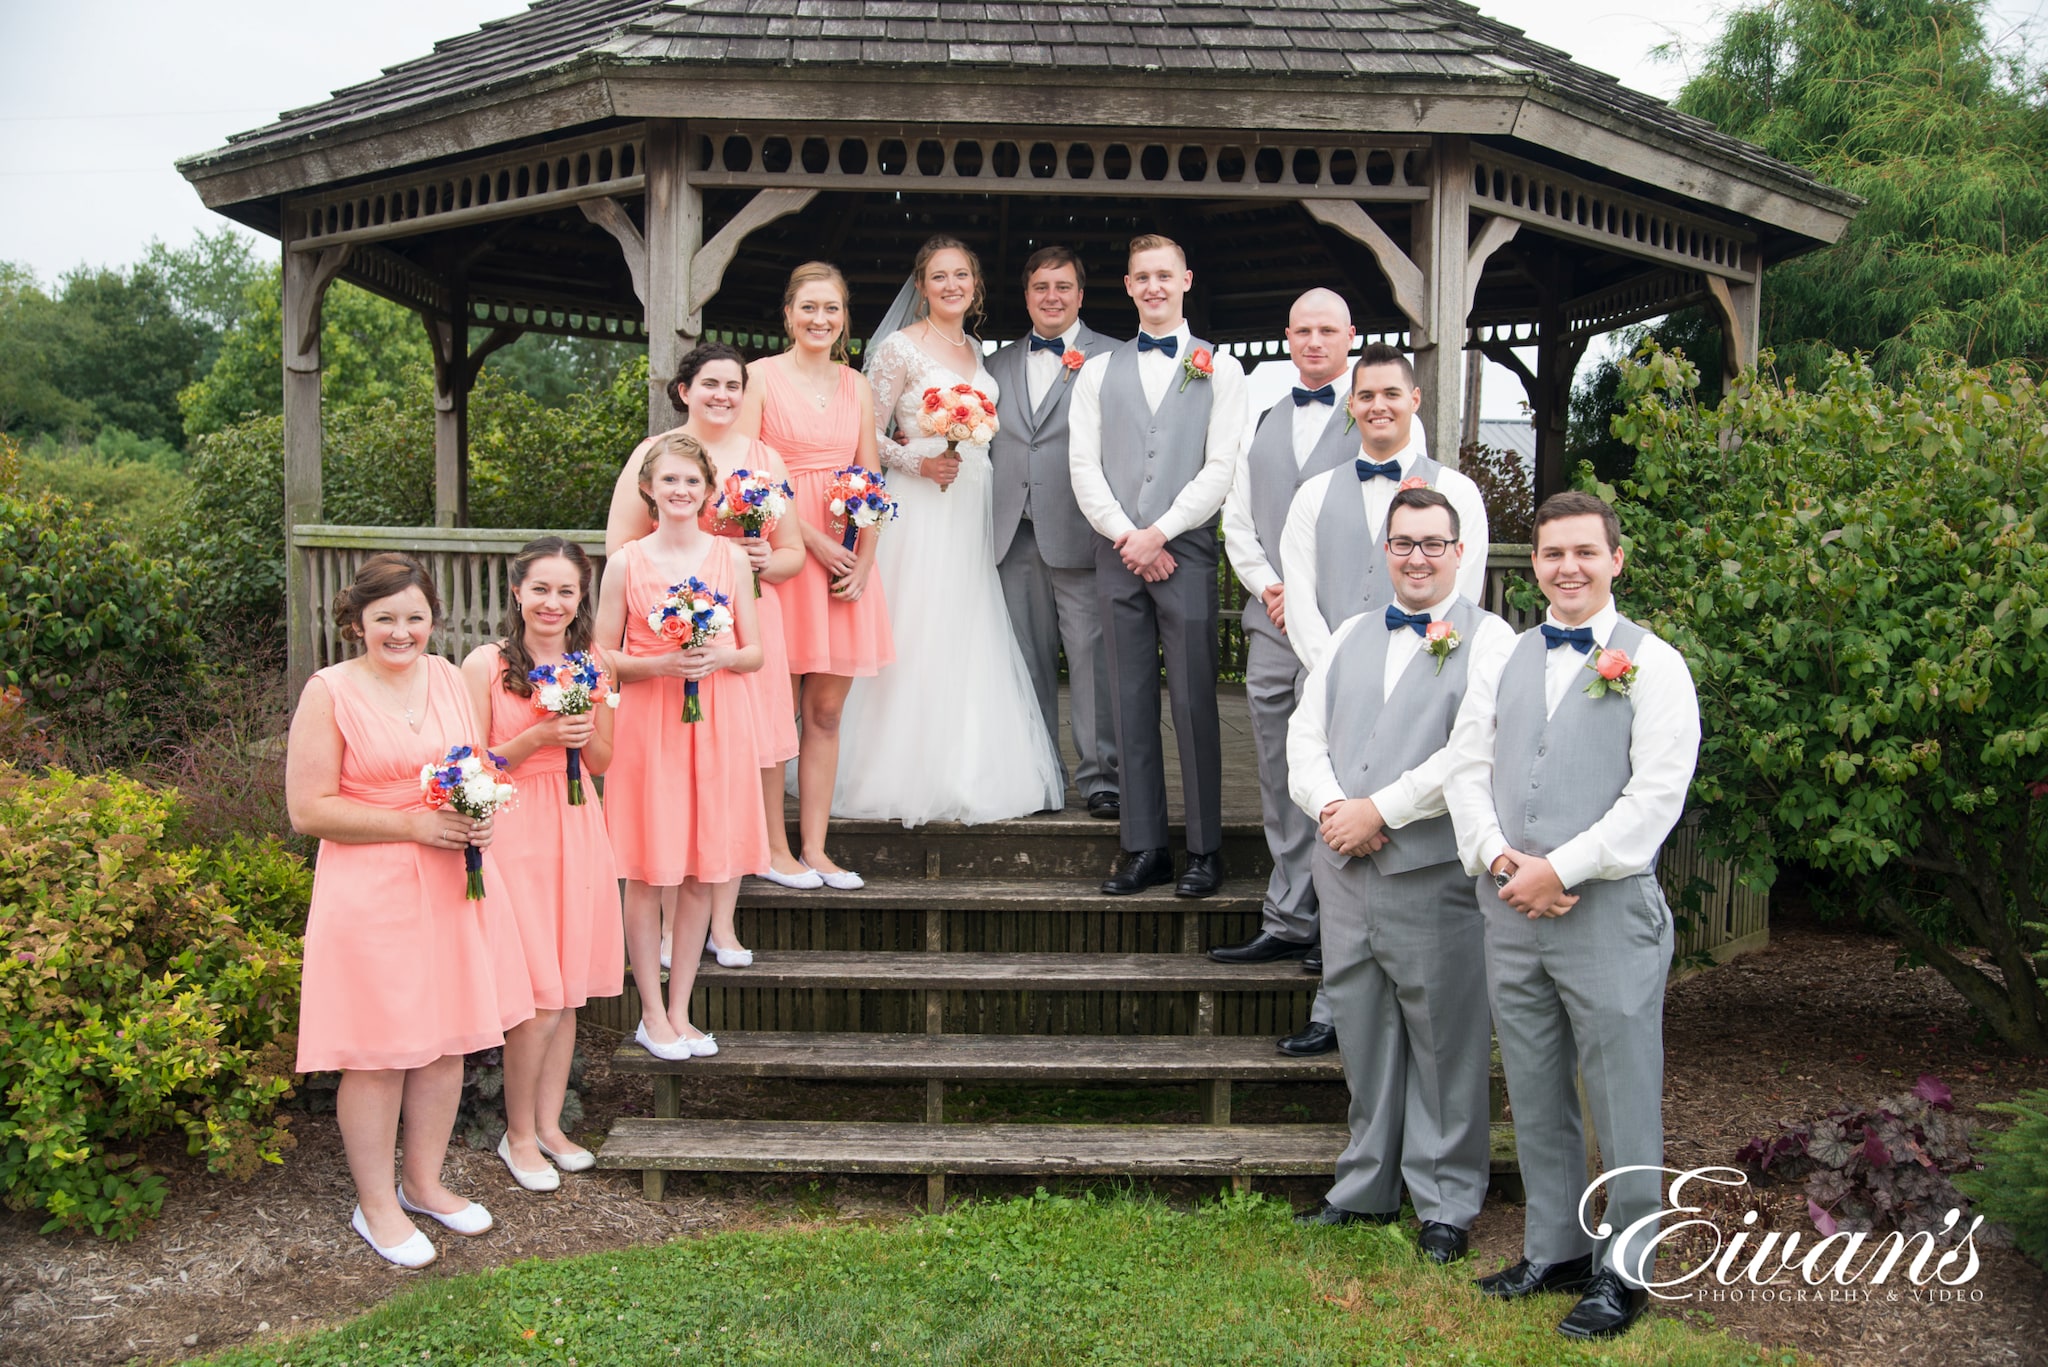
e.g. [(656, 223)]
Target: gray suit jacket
[(1029, 454)]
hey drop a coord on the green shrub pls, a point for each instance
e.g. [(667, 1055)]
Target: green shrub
[(140, 501), (137, 996), (2012, 1188), (536, 466), (95, 634), (1858, 576)]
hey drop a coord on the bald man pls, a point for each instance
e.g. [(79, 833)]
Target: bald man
[(1303, 435)]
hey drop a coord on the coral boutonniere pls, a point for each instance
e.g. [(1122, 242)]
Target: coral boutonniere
[(1199, 365), (1440, 639), (1613, 672), (1415, 482), (1072, 361)]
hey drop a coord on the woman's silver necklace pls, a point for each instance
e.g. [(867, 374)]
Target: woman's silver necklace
[(821, 398), (387, 691)]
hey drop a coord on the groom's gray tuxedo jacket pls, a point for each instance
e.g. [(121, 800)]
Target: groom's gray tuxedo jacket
[(1029, 455)]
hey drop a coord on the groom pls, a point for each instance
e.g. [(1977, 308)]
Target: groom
[(1157, 426), (1045, 549)]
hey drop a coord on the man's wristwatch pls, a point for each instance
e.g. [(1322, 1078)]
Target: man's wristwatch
[(1503, 877)]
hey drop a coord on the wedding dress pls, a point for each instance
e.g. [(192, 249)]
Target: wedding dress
[(951, 731)]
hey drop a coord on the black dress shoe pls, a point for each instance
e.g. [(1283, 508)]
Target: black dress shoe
[(1526, 1278), (1331, 1215), (1312, 962), (1136, 870), (1202, 877), (1261, 948), (1316, 1039), (1442, 1243), (1607, 1310), (1105, 806)]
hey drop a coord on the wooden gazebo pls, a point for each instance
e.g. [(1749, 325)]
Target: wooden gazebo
[(643, 169), (650, 170)]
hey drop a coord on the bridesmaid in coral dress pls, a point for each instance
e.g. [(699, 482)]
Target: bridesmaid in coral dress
[(403, 974), (709, 386), (820, 414), (683, 799), (554, 854)]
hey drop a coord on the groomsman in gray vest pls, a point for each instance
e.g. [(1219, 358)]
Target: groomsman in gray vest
[(1045, 549), (1569, 767), (1404, 962), (1337, 525), (1156, 428), (1304, 434)]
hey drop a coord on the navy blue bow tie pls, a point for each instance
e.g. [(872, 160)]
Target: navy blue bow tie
[(1396, 619), (1578, 638), (1056, 345), (1304, 397), (1378, 469), (1169, 345)]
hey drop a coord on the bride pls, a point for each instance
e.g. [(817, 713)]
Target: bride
[(951, 731)]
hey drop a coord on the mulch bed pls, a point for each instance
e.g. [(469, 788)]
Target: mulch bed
[(1820, 1019)]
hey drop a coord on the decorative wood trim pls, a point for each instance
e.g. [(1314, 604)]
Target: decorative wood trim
[(707, 268), (1737, 305), (1502, 354), (1492, 237), (611, 216), (480, 190), (1565, 205), (1411, 292), (302, 334), (1645, 296)]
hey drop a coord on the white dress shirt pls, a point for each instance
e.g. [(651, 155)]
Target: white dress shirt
[(1416, 795), (1664, 745), (1204, 494), (1042, 369), (1252, 562), (1307, 632)]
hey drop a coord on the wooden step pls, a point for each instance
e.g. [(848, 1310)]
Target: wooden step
[(1020, 895), (640, 1144), (1065, 844), (988, 1058), (990, 972)]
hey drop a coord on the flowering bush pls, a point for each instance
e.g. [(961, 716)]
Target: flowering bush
[(143, 989)]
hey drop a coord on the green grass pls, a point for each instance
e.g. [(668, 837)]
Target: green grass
[(1049, 1280)]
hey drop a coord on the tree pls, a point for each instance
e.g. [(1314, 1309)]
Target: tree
[(208, 283), (1858, 576), (1909, 104), (31, 402), (366, 345), (123, 350)]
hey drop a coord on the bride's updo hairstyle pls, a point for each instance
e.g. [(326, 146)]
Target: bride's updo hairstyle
[(703, 355), (683, 446), (921, 308), (810, 273)]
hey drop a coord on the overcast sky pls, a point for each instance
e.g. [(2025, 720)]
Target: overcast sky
[(98, 97)]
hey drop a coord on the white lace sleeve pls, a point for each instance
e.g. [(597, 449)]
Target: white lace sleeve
[(892, 371)]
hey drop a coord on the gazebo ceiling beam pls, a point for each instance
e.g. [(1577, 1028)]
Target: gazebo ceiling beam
[(1650, 295), (1404, 277)]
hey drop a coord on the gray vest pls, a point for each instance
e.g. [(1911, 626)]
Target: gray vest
[(1375, 737), (1149, 456), (1575, 760), (1351, 563), (1274, 480), (1029, 456)]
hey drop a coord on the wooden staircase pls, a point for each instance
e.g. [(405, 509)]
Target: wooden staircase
[(986, 954)]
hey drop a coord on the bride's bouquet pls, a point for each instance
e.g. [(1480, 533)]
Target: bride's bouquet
[(749, 505), (690, 614), (461, 779), (959, 413), (857, 498), (570, 689)]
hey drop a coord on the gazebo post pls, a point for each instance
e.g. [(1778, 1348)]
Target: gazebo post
[(306, 276), (675, 231), (455, 371), (1438, 243)]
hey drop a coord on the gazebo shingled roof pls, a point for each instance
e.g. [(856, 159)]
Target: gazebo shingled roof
[(644, 170)]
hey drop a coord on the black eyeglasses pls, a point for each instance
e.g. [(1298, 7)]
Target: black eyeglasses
[(1431, 546)]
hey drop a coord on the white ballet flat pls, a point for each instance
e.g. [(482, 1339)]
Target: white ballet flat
[(704, 1046), (845, 880), (583, 1160), (469, 1222), (674, 1053), (802, 882), (665, 965), (547, 1179), (730, 958), (416, 1251)]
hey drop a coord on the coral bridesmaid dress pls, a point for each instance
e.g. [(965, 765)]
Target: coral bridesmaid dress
[(400, 968), (824, 634), (557, 864), (774, 703), (682, 799)]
